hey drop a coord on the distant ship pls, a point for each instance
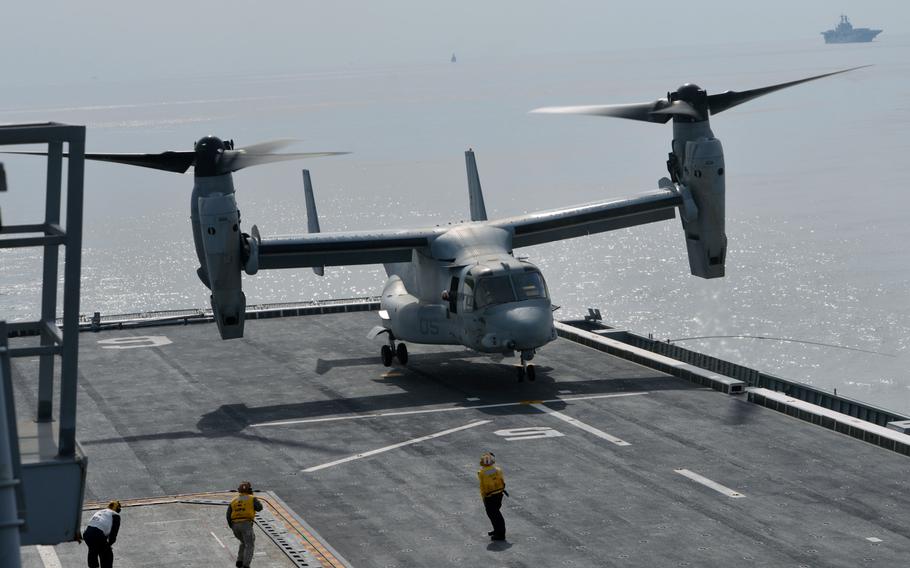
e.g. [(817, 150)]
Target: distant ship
[(846, 33), (453, 58)]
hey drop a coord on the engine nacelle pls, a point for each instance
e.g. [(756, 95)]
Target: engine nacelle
[(222, 250), (703, 180)]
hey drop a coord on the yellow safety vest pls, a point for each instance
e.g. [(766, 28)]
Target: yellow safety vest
[(242, 508), (491, 481)]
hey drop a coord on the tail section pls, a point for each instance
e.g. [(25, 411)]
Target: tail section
[(312, 219), (475, 194)]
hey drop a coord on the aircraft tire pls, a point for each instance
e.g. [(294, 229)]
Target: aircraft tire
[(402, 353), (532, 373), (521, 373), (386, 354)]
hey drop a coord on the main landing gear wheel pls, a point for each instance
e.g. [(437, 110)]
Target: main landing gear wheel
[(393, 350), (402, 353)]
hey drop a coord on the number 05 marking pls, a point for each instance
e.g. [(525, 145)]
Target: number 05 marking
[(428, 327), (528, 433)]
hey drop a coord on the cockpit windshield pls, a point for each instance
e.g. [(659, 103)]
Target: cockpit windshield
[(529, 286), (518, 286), (493, 290)]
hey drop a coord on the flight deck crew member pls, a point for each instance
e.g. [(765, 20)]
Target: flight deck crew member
[(240, 515), (492, 487), (101, 534)]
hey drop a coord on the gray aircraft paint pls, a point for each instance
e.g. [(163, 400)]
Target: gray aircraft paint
[(429, 295), (312, 218)]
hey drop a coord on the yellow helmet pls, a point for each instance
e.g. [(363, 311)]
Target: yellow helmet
[(114, 506), (487, 458)]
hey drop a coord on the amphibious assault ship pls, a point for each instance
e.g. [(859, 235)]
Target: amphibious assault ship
[(844, 32), (625, 450)]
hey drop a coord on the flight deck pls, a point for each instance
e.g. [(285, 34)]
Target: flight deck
[(607, 462)]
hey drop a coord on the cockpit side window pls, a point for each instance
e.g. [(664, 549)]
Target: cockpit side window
[(493, 290), (468, 294), (453, 295), (529, 285)]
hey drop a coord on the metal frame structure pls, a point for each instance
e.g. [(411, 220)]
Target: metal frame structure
[(37, 477), (10, 466)]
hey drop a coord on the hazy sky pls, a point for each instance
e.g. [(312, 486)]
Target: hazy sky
[(56, 40)]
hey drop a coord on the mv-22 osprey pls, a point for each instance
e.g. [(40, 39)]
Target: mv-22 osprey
[(461, 284)]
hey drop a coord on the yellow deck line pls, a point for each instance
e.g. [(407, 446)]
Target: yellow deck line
[(313, 545)]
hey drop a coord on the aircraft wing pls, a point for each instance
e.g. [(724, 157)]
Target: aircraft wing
[(581, 220), (388, 246), (344, 248)]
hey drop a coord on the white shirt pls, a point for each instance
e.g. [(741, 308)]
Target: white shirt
[(103, 520)]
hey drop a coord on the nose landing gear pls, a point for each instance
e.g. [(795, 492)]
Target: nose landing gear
[(390, 351), (526, 369)]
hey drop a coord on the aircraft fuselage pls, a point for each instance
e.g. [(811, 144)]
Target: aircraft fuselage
[(470, 290)]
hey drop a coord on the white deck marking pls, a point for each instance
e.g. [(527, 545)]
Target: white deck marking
[(395, 446), (134, 342), (873, 539), (169, 521), (49, 557), (472, 399), (218, 539), (580, 424), (431, 410), (708, 483), (531, 433)]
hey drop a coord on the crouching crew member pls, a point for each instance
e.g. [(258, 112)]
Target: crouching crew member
[(101, 534), (492, 487), (240, 515)]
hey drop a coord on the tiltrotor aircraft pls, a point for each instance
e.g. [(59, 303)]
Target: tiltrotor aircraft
[(460, 284)]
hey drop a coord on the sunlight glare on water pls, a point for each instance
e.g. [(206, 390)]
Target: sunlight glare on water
[(815, 200)]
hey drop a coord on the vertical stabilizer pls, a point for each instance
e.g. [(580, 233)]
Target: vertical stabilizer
[(312, 219), (475, 194)]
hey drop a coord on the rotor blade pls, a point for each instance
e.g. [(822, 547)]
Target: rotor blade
[(677, 108), (178, 162), (268, 146), (634, 111), (723, 101), (234, 160)]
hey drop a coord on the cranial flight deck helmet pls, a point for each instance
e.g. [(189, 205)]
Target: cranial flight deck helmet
[(487, 458)]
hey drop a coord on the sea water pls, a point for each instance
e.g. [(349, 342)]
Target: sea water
[(816, 190)]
